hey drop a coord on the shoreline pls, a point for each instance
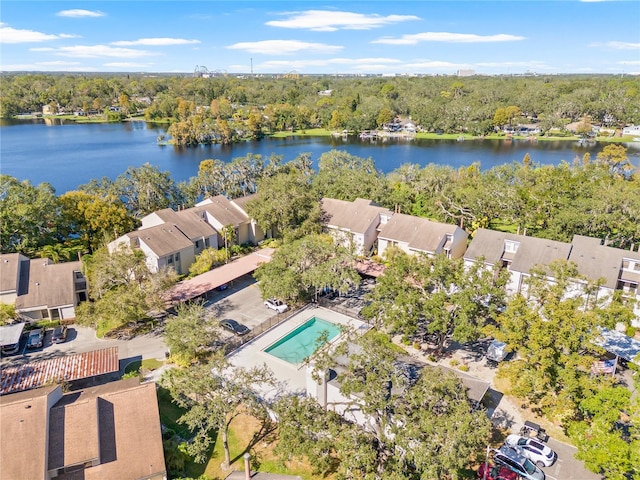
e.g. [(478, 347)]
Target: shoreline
[(321, 132)]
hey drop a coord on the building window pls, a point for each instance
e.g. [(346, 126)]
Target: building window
[(170, 259), (510, 246), (198, 244), (177, 255), (206, 243)]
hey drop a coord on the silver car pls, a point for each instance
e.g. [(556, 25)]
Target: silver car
[(510, 458)]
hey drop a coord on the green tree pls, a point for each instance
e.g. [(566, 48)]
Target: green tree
[(615, 157), (7, 313), (608, 437), (302, 268), (146, 189), (213, 395), (121, 289), (419, 424), (190, 334), (206, 260), (95, 220), (347, 177), (418, 296), (28, 215), (284, 203), (554, 338)]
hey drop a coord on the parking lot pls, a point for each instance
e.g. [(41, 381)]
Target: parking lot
[(240, 301)]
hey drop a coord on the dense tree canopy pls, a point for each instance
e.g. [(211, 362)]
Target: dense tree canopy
[(304, 267), (219, 109), (419, 423), (419, 296)]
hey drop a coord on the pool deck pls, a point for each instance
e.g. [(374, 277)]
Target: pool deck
[(291, 378)]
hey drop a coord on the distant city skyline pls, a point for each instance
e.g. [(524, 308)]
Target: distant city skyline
[(313, 37)]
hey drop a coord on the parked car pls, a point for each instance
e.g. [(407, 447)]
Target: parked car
[(234, 327), (59, 334), (534, 450), (275, 304), (496, 472), (36, 338), (510, 458)]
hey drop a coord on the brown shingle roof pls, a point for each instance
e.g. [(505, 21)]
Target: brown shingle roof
[(220, 208), (162, 239), (127, 431), (50, 284), (356, 216), (188, 221), (23, 433), (419, 233), (115, 427), (242, 201)]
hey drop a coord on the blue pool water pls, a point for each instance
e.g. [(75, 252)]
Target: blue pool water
[(302, 342)]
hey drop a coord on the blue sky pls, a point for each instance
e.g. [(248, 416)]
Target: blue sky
[(373, 37)]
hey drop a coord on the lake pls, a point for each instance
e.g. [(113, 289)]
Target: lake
[(68, 155)]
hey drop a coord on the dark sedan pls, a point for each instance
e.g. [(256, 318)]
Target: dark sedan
[(59, 334), (234, 327)]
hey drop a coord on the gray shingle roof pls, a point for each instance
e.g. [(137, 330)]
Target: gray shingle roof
[(49, 284), (220, 208), (419, 233), (595, 260), (189, 221), (356, 216), (163, 239), (532, 251)]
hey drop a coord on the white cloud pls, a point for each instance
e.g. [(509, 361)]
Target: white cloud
[(413, 39), (330, 21), (284, 47), (629, 62), (14, 35), (96, 51), (78, 13), (617, 45), (44, 66), (155, 42)]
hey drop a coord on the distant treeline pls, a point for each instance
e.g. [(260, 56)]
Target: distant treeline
[(596, 197), (223, 109)]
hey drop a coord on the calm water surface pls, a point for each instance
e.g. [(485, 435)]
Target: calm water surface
[(68, 155)]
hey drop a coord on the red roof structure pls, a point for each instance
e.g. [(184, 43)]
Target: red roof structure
[(65, 368), (201, 284)]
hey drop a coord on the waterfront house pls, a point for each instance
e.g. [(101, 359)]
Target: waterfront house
[(632, 130), (421, 235), (516, 253), (356, 224), (221, 212)]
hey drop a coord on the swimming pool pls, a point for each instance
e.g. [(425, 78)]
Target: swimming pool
[(301, 342)]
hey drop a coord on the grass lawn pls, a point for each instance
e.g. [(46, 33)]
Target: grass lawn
[(311, 132), (150, 364), (170, 413), (245, 436)]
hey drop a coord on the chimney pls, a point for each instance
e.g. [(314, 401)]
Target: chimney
[(247, 467)]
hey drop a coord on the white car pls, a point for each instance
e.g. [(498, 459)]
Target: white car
[(275, 304), (533, 449)]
